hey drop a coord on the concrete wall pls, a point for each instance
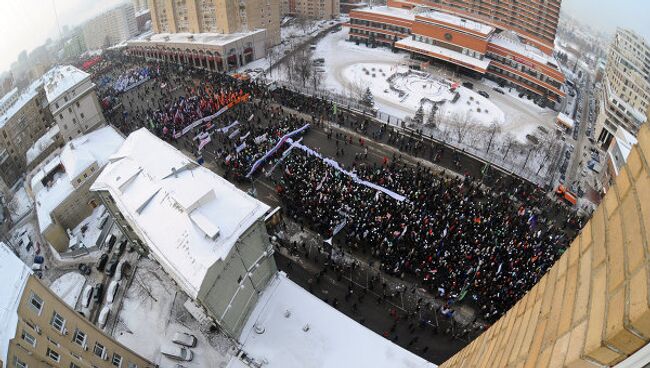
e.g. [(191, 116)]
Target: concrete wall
[(80, 114), (592, 308)]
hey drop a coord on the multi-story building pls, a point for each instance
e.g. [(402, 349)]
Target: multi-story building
[(217, 16), (502, 50), (140, 5), (110, 28), (25, 118), (60, 186), (626, 87), (312, 9), (72, 101), (209, 236), (38, 329)]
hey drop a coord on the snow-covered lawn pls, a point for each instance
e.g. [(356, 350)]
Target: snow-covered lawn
[(68, 287), (20, 204), (153, 311)]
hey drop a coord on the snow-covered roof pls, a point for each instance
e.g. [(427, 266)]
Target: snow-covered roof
[(14, 278), (96, 146), (188, 216), (625, 140), (332, 339), (41, 144), (60, 79), (216, 39), (410, 43), (388, 11), (11, 94), (481, 28), (565, 120), (26, 96), (510, 41)]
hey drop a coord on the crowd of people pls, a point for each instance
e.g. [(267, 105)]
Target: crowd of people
[(458, 238)]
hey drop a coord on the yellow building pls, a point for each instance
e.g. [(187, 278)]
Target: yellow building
[(37, 328), (216, 16)]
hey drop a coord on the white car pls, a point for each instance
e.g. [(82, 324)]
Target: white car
[(103, 316), (87, 296), (112, 291), (184, 339), (177, 352)]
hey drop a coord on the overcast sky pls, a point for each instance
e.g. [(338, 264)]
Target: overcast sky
[(26, 24)]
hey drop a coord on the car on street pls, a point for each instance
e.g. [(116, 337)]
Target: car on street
[(484, 94), (112, 265), (177, 352), (98, 292), (112, 291), (184, 339), (121, 247), (499, 90), (84, 269), (103, 316), (468, 85), (101, 262), (87, 296)]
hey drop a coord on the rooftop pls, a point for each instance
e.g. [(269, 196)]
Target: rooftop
[(215, 39), (566, 120), (332, 340), (60, 79), (481, 28), (388, 11), (26, 96), (8, 96), (14, 277), (188, 216), (41, 144), (510, 41), (410, 43)]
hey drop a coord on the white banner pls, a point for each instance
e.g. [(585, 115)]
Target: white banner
[(240, 147), (244, 136), (204, 142), (260, 139), (233, 134)]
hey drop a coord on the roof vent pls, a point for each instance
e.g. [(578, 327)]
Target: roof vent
[(287, 313), (305, 328), (259, 329), (174, 172)]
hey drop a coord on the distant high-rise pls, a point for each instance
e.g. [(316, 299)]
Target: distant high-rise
[(216, 16), (625, 95), (110, 28)]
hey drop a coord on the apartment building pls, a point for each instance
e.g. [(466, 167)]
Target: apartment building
[(73, 101), (217, 16), (24, 119), (208, 235), (625, 96), (38, 329), (110, 28), (311, 9)]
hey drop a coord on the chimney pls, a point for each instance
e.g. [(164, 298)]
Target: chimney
[(174, 172), (71, 145)]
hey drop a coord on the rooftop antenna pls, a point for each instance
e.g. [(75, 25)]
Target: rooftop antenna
[(56, 15)]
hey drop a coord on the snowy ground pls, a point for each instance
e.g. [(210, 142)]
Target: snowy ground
[(20, 205), (92, 231), (153, 311), (68, 287), (21, 236)]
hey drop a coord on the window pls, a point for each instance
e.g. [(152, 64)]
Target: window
[(56, 105), (36, 303), (79, 337), (57, 322), (133, 365), (81, 114), (99, 350), (72, 365), (77, 103), (117, 360), (53, 355), (18, 363), (28, 338), (70, 110)]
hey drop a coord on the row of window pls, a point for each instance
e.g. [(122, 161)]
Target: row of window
[(389, 27)]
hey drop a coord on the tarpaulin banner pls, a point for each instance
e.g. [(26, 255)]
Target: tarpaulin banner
[(282, 140)]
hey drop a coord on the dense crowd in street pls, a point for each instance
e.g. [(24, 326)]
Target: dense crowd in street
[(459, 239)]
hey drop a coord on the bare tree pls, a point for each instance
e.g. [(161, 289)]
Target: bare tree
[(316, 79), (303, 23), (508, 142), (461, 125), (357, 89), (492, 131), (273, 55), (303, 67)]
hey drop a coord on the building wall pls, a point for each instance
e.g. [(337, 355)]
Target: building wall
[(455, 38), (221, 293), (38, 325), (592, 308), (77, 112), (110, 28), (312, 9)]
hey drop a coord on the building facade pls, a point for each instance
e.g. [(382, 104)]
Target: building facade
[(217, 16), (110, 28), (73, 101), (43, 331), (25, 119), (625, 94), (434, 33), (215, 52), (311, 9), (209, 236)]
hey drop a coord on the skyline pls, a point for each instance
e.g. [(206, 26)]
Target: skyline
[(19, 17)]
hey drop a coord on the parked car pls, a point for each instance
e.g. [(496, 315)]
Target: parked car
[(112, 291), (499, 90), (121, 270), (84, 269), (468, 85), (112, 265), (121, 247), (101, 263), (86, 297), (177, 352), (484, 94), (184, 339), (99, 291), (103, 316), (110, 241)]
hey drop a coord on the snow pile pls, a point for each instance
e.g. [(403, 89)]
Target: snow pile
[(42, 144), (68, 287), (20, 205), (291, 328)]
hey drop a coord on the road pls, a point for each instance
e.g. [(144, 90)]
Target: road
[(578, 157)]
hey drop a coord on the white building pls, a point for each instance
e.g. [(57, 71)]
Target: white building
[(291, 328), (110, 28), (209, 236), (14, 278), (73, 101)]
